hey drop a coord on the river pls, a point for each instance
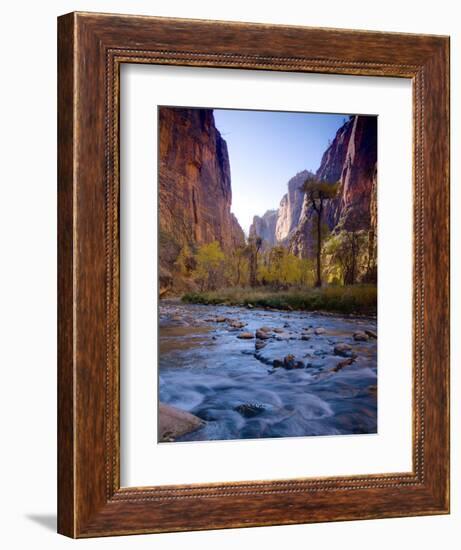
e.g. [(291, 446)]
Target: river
[(209, 370)]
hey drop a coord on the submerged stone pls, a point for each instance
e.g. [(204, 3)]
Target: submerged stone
[(248, 410), (245, 336)]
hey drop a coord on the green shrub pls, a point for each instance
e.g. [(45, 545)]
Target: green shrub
[(360, 299)]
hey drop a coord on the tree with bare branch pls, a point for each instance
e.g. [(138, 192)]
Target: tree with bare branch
[(318, 193)]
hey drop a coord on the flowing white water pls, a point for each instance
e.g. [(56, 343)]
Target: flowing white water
[(205, 369)]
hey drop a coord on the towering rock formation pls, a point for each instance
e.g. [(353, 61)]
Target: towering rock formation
[(351, 160), (264, 227), (352, 211), (278, 226), (291, 207), (195, 192)]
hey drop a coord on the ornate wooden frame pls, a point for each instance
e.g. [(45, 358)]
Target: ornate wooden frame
[(91, 49)]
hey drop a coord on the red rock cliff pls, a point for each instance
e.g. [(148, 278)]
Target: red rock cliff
[(195, 192), (351, 160)]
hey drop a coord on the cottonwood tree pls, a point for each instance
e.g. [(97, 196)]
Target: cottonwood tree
[(254, 246), (318, 193), (237, 266), (209, 266), (347, 250)]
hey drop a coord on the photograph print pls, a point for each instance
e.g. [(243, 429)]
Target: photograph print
[(267, 274)]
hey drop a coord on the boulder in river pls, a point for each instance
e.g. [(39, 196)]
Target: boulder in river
[(289, 363), (262, 335), (371, 334), (246, 336), (320, 330), (174, 422), (360, 336), (345, 350), (237, 324), (343, 363), (282, 336)]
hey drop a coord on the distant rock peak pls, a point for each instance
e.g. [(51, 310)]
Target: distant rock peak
[(290, 208), (264, 227), (351, 160)]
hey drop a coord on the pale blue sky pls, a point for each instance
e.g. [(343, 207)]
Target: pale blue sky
[(268, 148)]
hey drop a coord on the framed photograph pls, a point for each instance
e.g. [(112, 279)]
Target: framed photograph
[(253, 259)]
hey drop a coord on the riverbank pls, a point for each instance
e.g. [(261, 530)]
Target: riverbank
[(355, 299)]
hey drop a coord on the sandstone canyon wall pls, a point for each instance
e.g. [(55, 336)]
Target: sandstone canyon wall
[(278, 226), (195, 191), (351, 160)]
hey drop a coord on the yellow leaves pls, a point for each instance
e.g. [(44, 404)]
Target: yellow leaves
[(210, 255), (280, 267), (320, 190), (209, 265)]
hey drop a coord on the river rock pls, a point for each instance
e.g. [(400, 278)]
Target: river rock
[(262, 335), (278, 330), (259, 344), (371, 334), (289, 363), (248, 410), (263, 359), (342, 364), (283, 336), (250, 306), (237, 324), (265, 329), (276, 363), (344, 350), (221, 319), (360, 336), (305, 337), (174, 422), (245, 336), (320, 330)]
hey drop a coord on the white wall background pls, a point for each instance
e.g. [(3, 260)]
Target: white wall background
[(28, 271)]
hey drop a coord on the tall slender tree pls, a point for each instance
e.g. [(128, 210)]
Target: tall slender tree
[(318, 193), (254, 245)]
